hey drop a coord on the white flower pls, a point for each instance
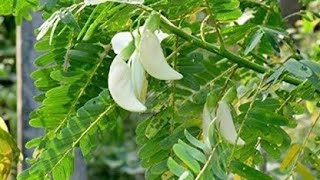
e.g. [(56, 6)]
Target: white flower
[(139, 79), (95, 2), (120, 86), (147, 56), (226, 125), (207, 118), (153, 60)]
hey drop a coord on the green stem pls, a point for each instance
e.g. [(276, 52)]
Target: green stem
[(207, 162), (215, 23), (304, 144), (241, 61), (244, 120)]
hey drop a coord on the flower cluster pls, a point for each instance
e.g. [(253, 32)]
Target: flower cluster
[(127, 81)]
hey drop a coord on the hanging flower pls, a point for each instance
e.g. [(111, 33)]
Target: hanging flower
[(153, 60), (207, 118), (120, 86), (226, 125), (146, 56)]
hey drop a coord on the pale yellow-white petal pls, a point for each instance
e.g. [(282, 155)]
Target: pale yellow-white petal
[(161, 35), (153, 60), (120, 86), (207, 118), (226, 125), (3, 125), (139, 80), (120, 41)]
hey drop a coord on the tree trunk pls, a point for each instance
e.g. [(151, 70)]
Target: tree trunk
[(288, 7)]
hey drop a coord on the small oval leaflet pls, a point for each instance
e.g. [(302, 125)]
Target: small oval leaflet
[(298, 69)]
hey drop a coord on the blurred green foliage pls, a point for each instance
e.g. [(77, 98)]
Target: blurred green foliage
[(7, 72)]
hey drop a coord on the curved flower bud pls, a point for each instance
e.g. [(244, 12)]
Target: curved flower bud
[(120, 86), (207, 118), (153, 60), (120, 41), (140, 82), (226, 125)]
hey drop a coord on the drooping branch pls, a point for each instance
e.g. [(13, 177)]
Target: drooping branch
[(241, 61)]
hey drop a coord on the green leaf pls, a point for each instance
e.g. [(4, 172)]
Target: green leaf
[(298, 69), (273, 42), (229, 15), (157, 123), (186, 158), (290, 157), (267, 117), (312, 157), (56, 157), (247, 172), (24, 8), (195, 153), (160, 167), (68, 19), (65, 169), (226, 5), (305, 172), (51, 4), (275, 76), (194, 141), (174, 167), (253, 42), (272, 149), (230, 95), (6, 7)]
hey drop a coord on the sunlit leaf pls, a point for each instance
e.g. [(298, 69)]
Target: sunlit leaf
[(247, 172), (289, 158)]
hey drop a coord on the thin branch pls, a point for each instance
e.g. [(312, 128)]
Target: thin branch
[(215, 23), (207, 162), (241, 61), (303, 146), (173, 98), (244, 120)]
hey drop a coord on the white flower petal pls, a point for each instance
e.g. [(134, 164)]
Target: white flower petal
[(246, 16), (120, 86), (226, 125), (120, 41), (207, 118), (140, 83), (153, 60), (161, 35)]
